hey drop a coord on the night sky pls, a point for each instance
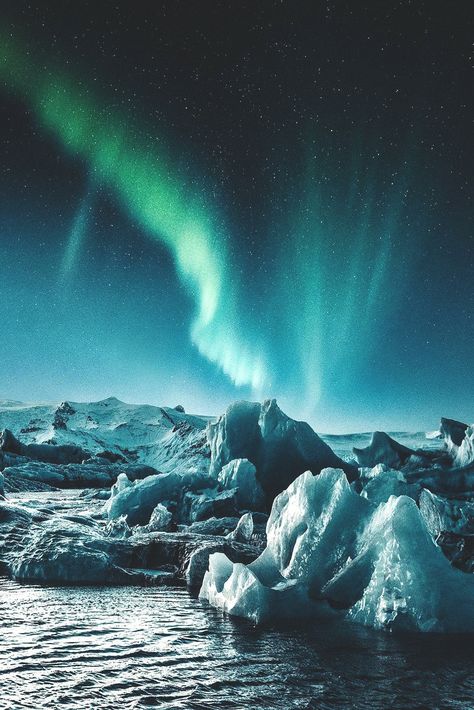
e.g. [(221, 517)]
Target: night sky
[(202, 202)]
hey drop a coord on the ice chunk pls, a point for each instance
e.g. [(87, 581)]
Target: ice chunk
[(464, 455), (208, 503), (368, 473), (137, 500), (199, 558), (121, 484), (212, 526), (236, 434), (383, 450), (59, 551), (244, 529), (310, 535), (406, 581), (442, 515), (459, 440), (388, 483), (242, 474), (453, 433), (160, 519)]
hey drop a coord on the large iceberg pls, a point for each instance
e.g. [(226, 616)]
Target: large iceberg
[(332, 551), (279, 447)]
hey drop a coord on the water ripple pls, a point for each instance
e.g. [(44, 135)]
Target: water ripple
[(81, 648)]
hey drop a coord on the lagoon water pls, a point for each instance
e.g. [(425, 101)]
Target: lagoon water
[(127, 647)]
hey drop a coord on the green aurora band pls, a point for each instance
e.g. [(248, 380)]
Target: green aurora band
[(170, 208), (331, 271)]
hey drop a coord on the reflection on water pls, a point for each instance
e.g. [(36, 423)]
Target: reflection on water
[(158, 647)]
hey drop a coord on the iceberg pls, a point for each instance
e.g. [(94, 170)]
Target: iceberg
[(459, 441), (244, 529), (464, 453), (310, 535), (383, 449), (332, 551), (136, 500), (453, 433), (279, 447), (208, 503)]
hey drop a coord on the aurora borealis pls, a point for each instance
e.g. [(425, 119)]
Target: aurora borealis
[(152, 191), (205, 205)]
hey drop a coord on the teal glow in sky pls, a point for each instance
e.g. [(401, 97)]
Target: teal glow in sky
[(223, 203)]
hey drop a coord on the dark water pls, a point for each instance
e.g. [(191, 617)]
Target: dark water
[(158, 647)]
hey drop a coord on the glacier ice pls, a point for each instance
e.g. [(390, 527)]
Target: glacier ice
[(453, 433), (136, 500), (279, 447), (459, 441), (208, 503), (160, 519), (380, 483), (309, 534), (362, 550), (242, 475), (108, 431), (244, 529), (464, 453), (331, 551), (446, 515)]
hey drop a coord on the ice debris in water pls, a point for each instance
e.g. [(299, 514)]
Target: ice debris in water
[(331, 551), (138, 499)]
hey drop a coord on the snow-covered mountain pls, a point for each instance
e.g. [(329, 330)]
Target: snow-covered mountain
[(162, 437)]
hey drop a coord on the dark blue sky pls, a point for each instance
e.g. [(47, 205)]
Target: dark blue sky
[(284, 207)]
